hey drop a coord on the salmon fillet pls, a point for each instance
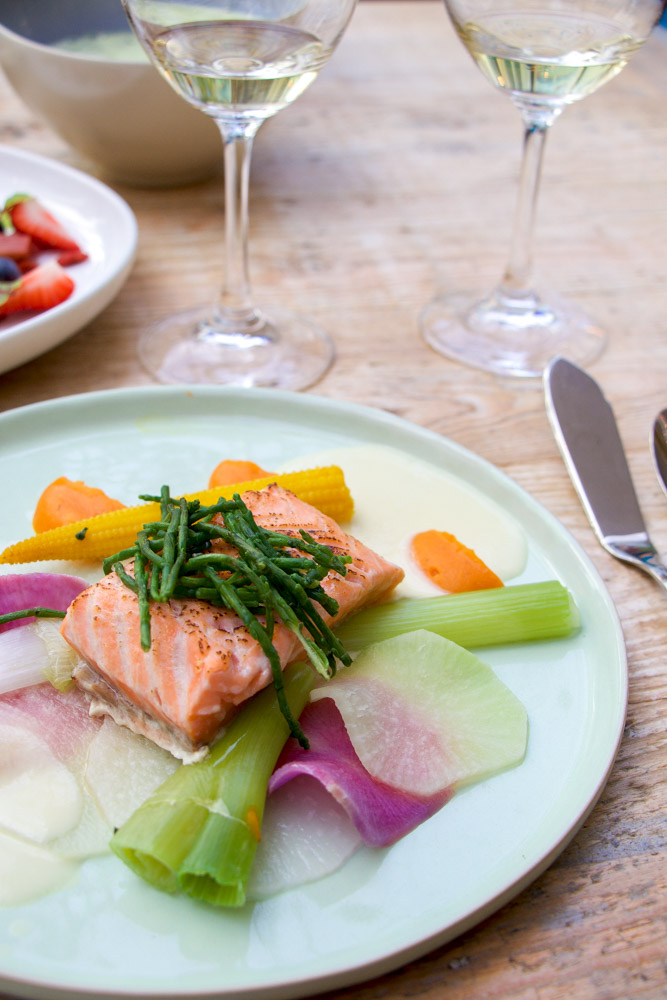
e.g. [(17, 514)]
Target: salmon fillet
[(203, 662)]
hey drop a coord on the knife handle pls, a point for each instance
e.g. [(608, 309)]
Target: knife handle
[(639, 551)]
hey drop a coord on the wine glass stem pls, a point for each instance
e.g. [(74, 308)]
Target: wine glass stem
[(235, 308), (515, 281)]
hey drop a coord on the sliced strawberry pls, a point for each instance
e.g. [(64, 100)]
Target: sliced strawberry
[(28, 264), (68, 257), (42, 288), (29, 216), (16, 245)]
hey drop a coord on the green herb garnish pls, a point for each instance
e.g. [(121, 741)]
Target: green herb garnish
[(14, 616), (270, 577)]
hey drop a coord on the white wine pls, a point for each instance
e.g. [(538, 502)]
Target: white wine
[(548, 58), (248, 68), (238, 61)]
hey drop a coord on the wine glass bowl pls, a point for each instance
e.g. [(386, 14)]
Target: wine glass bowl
[(239, 62), (545, 55)]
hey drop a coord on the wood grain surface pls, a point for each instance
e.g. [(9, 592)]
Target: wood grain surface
[(391, 179)]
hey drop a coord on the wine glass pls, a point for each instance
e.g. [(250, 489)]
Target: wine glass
[(239, 61), (545, 54)]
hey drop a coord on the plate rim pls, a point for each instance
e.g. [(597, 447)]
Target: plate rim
[(381, 964)]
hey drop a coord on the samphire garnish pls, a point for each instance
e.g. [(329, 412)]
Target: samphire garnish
[(269, 577)]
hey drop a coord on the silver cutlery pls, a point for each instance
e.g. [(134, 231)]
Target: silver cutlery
[(660, 448), (585, 429)]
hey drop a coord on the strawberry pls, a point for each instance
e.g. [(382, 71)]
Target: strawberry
[(45, 286), (16, 245), (69, 257), (29, 216)]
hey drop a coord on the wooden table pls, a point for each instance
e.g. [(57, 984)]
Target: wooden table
[(392, 178)]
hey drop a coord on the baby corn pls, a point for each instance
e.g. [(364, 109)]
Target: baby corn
[(100, 536)]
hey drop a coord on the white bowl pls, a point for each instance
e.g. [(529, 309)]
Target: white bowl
[(122, 116)]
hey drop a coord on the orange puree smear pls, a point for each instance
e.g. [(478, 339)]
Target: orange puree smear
[(235, 471), (449, 564), (65, 501)]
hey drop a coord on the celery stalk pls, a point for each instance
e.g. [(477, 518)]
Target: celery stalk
[(198, 832), (521, 613)]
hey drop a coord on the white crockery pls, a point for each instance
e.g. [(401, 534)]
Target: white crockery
[(120, 116), (109, 934), (103, 225)]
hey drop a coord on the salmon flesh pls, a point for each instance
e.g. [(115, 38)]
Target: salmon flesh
[(203, 662)]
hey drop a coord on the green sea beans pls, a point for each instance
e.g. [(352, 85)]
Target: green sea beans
[(219, 554), (14, 616)]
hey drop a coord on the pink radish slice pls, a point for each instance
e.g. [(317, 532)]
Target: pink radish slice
[(380, 813), (424, 714), (46, 736), (32, 590), (62, 720)]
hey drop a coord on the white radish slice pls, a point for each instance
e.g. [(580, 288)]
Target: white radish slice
[(306, 835), (28, 871), (123, 769), (39, 797), (89, 838), (424, 714)]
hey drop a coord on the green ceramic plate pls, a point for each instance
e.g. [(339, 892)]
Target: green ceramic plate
[(109, 935)]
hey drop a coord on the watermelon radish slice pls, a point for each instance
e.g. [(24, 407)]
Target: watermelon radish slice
[(380, 813), (44, 739), (424, 714), (31, 590)]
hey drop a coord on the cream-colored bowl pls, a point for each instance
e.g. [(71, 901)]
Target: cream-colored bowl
[(122, 116)]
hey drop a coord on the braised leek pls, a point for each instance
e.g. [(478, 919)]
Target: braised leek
[(523, 613), (198, 833)]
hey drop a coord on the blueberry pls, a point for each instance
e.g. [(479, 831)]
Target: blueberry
[(9, 269)]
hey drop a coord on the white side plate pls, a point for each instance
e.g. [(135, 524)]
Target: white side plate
[(98, 219)]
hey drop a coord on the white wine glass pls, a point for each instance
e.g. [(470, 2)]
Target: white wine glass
[(545, 54), (240, 62)]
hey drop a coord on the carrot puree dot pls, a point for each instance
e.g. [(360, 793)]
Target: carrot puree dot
[(450, 564), (65, 501), (233, 470)]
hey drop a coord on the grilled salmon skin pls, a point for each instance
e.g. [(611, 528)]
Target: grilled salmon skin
[(202, 662)]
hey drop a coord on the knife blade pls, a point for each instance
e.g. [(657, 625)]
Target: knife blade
[(587, 435)]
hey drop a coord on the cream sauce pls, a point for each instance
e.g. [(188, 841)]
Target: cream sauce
[(396, 496)]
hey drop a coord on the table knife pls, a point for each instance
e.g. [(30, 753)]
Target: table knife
[(660, 448), (585, 429)]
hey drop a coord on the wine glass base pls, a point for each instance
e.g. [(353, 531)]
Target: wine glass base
[(510, 337), (283, 352)]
